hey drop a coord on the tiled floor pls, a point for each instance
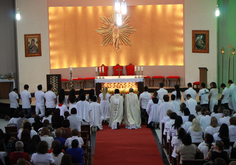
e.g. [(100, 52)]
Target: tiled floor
[(3, 123)]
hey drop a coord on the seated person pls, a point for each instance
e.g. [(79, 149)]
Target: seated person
[(75, 120), (188, 123), (47, 124), (225, 118), (37, 123), (66, 130), (31, 119), (15, 117), (48, 115), (58, 134), (45, 136), (205, 120), (196, 131), (213, 128), (75, 135), (206, 145), (19, 153), (76, 153)]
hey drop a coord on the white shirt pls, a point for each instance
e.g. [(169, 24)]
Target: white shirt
[(203, 148), (214, 94), (218, 116), (65, 101), (57, 160), (177, 99), (144, 98), (39, 96), (165, 119), (163, 108), (224, 120), (31, 120), (25, 96), (176, 105), (212, 130), (106, 97), (63, 109), (75, 121), (13, 120), (191, 104), (42, 159), (185, 118), (168, 125), (190, 91), (32, 133), (49, 118), (175, 143), (69, 141), (205, 121), (232, 133), (225, 93), (216, 137), (3, 154), (47, 139), (186, 125), (82, 108), (13, 97), (204, 93), (50, 99), (161, 92), (196, 136)]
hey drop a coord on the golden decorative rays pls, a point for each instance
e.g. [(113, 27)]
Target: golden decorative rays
[(113, 34)]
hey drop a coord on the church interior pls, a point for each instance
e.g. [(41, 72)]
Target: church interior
[(78, 44)]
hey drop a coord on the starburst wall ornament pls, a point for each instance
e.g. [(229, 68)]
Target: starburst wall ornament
[(115, 35)]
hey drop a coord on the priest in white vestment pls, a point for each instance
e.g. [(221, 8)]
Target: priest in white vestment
[(116, 108), (232, 95), (132, 115), (82, 108), (191, 104), (95, 114), (166, 105)]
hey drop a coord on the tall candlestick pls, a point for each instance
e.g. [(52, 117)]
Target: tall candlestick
[(96, 69), (71, 68), (138, 68), (100, 69), (103, 69), (142, 68), (135, 69)]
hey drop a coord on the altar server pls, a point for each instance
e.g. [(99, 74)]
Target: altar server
[(26, 100), (39, 96), (225, 96), (203, 96), (161, 92), (50, 97), (232, 95), (177, 94), (190, 91), (151, 103), (166, 105), (152, 111), (14, 100), (191, 104), (175, 103), (95, 114), (83, 108), (62, 106), (213, 97), (105, 105), (143, 99), (116, 107), (62, 94), (75, 120), (132, 111)]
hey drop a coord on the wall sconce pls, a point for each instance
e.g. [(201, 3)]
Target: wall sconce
[(233, 51), (222, 51)]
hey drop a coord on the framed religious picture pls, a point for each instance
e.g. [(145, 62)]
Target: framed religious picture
[(32, 45), (200, 41)]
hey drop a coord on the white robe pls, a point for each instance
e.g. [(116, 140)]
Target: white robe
[(105, 105), (132, 111), (232, 97), (163, 109), (214, 98), (152, 111), (95, 115), (63, 109), (191, 104), (116, 113), (176, 105), (83, 110)]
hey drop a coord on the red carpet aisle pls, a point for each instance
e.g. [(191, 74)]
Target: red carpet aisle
[(126, 147)]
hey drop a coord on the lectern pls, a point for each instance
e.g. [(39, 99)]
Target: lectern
[(203, 75)]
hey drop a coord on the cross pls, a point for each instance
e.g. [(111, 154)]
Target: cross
[(119, 71)]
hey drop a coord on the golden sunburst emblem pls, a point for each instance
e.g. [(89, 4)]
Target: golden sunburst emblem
[(113, 34)]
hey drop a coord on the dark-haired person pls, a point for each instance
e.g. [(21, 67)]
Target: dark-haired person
[(39, 96), (75, 136), (213, 97), (20, 121), (26, 100), (182, 107), (14, 100), (57, 119), (190, 91), (61, 97), (28, 126), (177, 94), (71, 99), (91, 94), (191, 104), (75, 120), (188, 123), (232, 95), (116, 114), (95, 115), (169, 124), (31, 119), (50, 97), (175, 103), (143, 100), (177, 141), (62, 106), (227, 146), (42, 157), (82, 108), (66, 160), (37, 123), (206, 145), (31, 147), (166, 105), (15, 117), (161, 92), (66, 130), (174, 128), (19, 153), (76, 153), (225, 96), (219, 114), (205, 120), (204, 96), (57, 153), (186, 115), (223, 132), (48, 115)]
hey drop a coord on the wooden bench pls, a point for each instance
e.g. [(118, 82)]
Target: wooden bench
[(11, 128), (194, 162)]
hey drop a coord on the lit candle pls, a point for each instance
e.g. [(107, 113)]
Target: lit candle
[(142, 68), (138, 68), (71, 68), (135, 68), (103, 69), (96, 69), (100, 69)]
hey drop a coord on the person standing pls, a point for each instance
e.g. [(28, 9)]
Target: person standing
[(175, 103), (105, 105), (213, 97), (225, 96), (166, 105), (26, 100), (144, 99), (116, 107), (232, 95), (50, 98), (14, 100), (82, 108), (39, 96), (203, 96), (177, 94), (190, 91), (161, 92), (132, 111), (191, 104)]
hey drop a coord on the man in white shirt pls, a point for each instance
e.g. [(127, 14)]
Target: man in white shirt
[(175, 103), (232, 95), (75, 120), (190, 91), (166, 105), (50, 97), (191, 104), (144, 99), (14, 100), (39, 96), (226, 118), (205, 120), (75, 135), (225, 96), (161, 92), (26, 100), (203, 96)]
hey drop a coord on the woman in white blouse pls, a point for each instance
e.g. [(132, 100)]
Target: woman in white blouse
[(186, 115), (26, 125), (213, 128), (188, 123), (177, 141), (232, 129), (44, 135), (57, 153), (72, 100), (213, 97), (177, 94), (196, 131), (206, 145), (223, 132), (105, 104)]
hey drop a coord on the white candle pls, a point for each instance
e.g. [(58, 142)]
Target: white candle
[(96, 69), (103, 69), (135, 69), (71, 68), (100, 69), (138, 68), (142, 68)]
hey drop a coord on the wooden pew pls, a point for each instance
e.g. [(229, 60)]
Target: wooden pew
[(194, 162), (163, 137), (85, 137)]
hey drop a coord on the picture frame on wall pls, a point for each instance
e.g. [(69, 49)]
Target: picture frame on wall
[(200, 41), (32, 45)]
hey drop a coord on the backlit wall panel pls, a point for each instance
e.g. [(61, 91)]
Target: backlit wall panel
[(158, 39)]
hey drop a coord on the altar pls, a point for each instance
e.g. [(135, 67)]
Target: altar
[(123, 84)]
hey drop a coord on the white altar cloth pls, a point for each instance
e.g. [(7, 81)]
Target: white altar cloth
[(7, 80), (115, 79)]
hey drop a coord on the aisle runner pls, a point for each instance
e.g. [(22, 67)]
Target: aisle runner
[(126, 147)]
